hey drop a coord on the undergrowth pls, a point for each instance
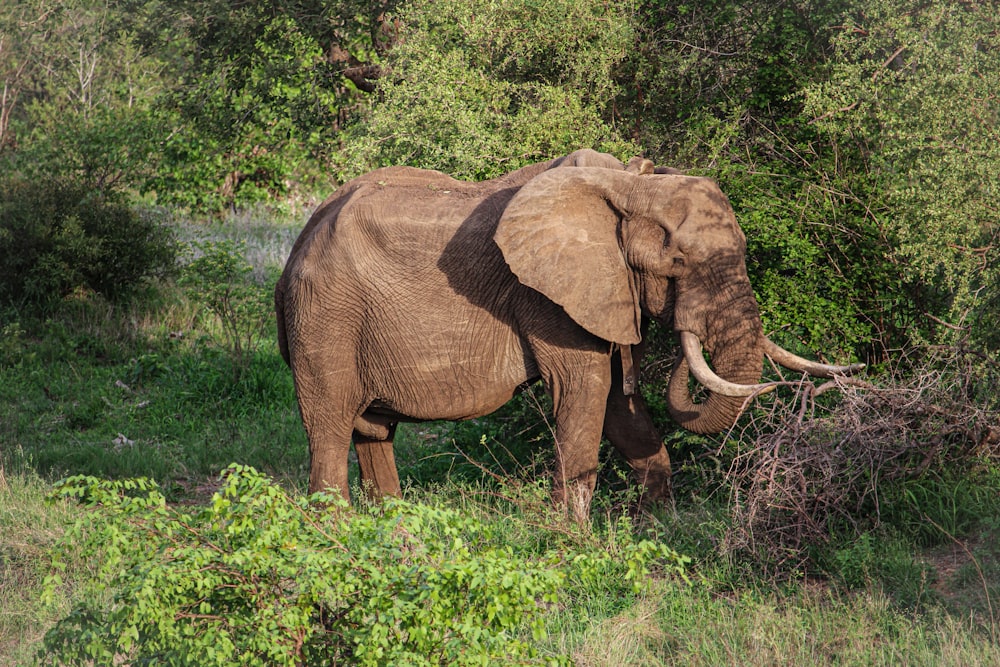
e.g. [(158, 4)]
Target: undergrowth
[(918, 453), (259, 577)]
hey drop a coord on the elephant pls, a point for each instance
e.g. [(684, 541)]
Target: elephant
[(412, 296)]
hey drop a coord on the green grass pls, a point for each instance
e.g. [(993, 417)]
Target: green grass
[(149, 389), (170, 414), (675, 625), (28, 528)]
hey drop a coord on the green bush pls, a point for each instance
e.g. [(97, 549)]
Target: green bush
[(857, 143), (221, 280), (477, 89), (908, 108), (57, 237), (257, 577)]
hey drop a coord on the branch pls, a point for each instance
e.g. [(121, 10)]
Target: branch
[(954, 327), (888, 61), (362, 75), (703, 49)]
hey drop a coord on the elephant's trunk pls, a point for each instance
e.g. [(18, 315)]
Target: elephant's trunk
[(735, 343)]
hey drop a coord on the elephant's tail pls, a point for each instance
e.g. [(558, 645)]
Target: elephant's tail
[(279, 311)]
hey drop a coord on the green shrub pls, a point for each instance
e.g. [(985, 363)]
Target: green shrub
[(257, 577), (221, 280), (57, 237), (478, 89), (12, 344), (908, 110)]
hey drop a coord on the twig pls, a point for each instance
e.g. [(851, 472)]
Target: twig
[(888, 62), (701, 48), (954, 327)]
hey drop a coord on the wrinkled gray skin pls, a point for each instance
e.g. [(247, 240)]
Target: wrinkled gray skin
[(412, 296)]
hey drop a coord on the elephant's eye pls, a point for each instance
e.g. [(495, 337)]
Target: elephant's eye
[(678, 261)]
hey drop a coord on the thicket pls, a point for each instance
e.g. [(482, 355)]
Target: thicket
[(58, 237), (857, 143), (477, 89)]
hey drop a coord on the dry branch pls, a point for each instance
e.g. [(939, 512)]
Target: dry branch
[(806, 474)]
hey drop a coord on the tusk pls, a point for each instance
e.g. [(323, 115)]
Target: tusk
[(797, 363), (707, 377)]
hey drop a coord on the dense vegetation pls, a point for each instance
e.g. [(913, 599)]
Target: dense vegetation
[(157, 159)]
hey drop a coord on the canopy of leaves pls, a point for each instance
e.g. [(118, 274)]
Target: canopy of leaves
[(911, 105), (857, 143), (480, 88), (258, 94)]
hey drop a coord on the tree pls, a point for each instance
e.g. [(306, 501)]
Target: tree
[(262, 95), (480, 88), (856, 143), (714, 88), (912, 103), (23, 31), (77, 93)]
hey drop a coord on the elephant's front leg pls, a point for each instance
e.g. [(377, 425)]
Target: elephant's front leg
[(629, 428), (578, 399)]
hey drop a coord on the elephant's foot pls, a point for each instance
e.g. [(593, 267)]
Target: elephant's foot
[(574, 496), (377, 461), (328, 472), (653, 475)]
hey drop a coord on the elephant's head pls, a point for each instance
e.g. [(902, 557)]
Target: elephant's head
[(612, 245)]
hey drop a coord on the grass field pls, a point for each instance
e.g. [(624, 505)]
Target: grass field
[(153, 389)]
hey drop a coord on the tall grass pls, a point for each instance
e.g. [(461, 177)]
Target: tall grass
[(28, 528), (691, 626)]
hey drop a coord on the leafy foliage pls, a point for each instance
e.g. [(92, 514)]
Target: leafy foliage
[(260, 578), (911, 105), (77, 95), (854, 140), (478, 89), (221, 280), (59, 236), (260, 95)]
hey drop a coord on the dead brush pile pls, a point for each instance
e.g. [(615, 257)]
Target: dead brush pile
[(812, 468)]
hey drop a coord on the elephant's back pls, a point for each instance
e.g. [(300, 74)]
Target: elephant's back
[(397, 230)]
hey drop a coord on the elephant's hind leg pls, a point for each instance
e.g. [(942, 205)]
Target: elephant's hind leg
[(377, 461), (328, 449), (328, 414)]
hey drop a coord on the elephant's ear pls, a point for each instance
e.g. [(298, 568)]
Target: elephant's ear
[(559, 235)]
